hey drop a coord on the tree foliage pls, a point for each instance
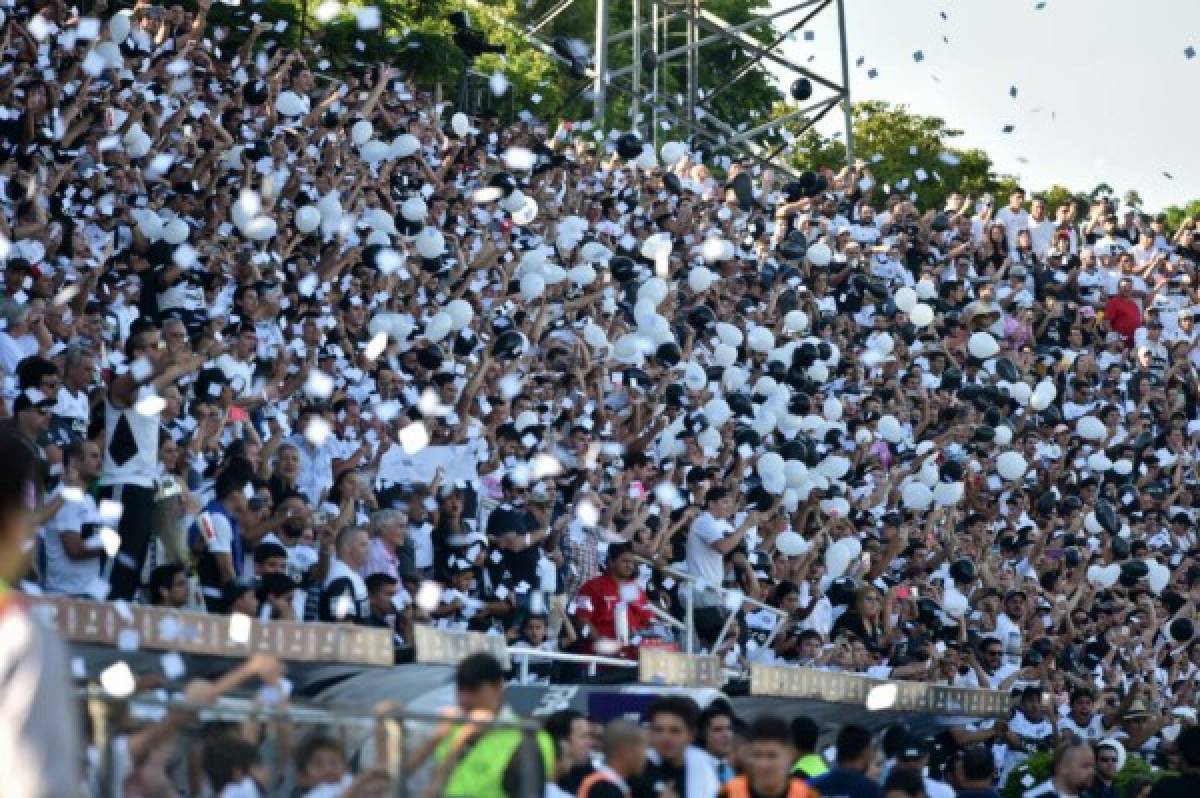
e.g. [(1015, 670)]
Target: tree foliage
[(899, 147)]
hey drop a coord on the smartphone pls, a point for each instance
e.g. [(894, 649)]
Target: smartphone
[(637, 490)]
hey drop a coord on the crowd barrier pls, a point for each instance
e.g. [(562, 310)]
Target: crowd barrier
[(131, 627)]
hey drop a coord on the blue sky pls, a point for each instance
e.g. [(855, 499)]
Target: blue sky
[(1104, 89)]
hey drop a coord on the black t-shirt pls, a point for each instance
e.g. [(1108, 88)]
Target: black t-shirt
[(1185, 786), (518, 566), (655, 778), (605, 789)]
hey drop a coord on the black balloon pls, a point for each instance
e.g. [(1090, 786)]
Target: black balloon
[(1107, 517), (509, 345), (629, 146), (802, 89)]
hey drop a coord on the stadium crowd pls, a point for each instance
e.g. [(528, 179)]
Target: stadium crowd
[(305, 346)]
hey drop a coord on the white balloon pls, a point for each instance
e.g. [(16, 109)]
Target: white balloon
[(1158, 576), (374, 151), (724, 355), (832, 409), (532, 286), (728, 334), (595, 252), (795, 472), (1091, 428), (818, 372), (715, 250), (414, 209), (137, 142), (890, 429), (1039, 401), (882, 343), (1092, 524), (439, 326), (290, 103), (119, 26), (646, 160), (308, 218), (582, 275), (982, 345), (769, 463), (149, 223), (673, 152), (461, 313), (1048, 389), (1004, 435), (1123, 467), (926, 290), (498, 83), (260, 228), (430, 243), (175, 231), (734, 378), (921, 315), (695, 378), (795, 321), (361, 132), (760, 339), (929, 474), (947, 494), (460, 124), (905, 299), (717, 411), (1021, 392), (700, 279), (790, 544), (594, 335), (628, 350), (655, 245), (819, 254), (917, 495), (404, 145), (653, 290), (834, 466), (1011, 465)]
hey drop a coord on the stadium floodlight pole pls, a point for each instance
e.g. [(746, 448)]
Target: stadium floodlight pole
[(548, 17), (600, 86), (692, 60), (654, 79), (635, 107), (846, 106)]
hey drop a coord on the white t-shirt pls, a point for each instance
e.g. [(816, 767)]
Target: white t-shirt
[(1094, 730), (14, 350), (1014, 222), (64, 575), (704, 562)]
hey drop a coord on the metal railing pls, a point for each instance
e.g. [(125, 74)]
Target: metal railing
[(522, 655), (688, 598), (416, 753)]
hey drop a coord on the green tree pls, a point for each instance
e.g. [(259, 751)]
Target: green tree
[(1133, 199), (1177, 213), (895, 143)]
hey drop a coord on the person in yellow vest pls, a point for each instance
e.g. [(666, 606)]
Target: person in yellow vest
[(624, 758), (809, 764), (768, 769), (477, 760)]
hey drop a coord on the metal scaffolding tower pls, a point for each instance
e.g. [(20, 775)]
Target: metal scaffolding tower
[(655, 23)]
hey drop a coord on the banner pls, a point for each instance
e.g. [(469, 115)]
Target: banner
[(849, 688), (132, 627)]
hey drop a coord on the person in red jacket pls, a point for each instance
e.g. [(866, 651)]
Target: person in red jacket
[(615, 593), (1122, 312)]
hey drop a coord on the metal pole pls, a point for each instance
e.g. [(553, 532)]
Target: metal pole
[(692, 60), (525, 669), (846, 108), (654, 84), (599, 85), (690, 640), (635, 107)]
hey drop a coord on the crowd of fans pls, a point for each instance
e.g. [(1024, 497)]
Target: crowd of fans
[(305, 346)]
